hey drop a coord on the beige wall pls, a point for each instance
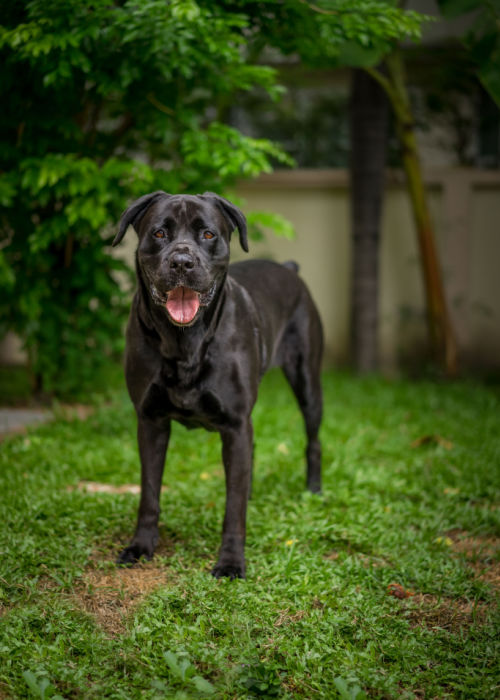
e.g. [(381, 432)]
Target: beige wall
[(320, 215), (466, 209)]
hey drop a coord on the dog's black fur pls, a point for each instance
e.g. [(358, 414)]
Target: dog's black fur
[(204, 371)]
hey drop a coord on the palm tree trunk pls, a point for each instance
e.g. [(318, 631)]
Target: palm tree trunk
[(368, 126)]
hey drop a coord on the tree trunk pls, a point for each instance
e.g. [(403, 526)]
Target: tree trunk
[(441, 332), (368, 127)]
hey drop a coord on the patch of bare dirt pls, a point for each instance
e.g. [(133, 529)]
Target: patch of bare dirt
[(367, 560), (490, 574), (3, 693), (333, 555), (285, 617), (372, 561), (453, 615), (481, 553), (99, 487), (110, 595), (474, 546)]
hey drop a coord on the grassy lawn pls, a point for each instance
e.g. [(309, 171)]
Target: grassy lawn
[(384, 586)]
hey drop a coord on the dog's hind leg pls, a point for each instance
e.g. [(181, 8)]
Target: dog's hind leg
[(301, 363)]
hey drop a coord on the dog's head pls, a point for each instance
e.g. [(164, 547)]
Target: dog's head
[(183, 249)]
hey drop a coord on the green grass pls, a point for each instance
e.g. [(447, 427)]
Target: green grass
[(314, 617)]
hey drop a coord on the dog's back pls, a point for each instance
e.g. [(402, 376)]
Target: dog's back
[(286, 311)]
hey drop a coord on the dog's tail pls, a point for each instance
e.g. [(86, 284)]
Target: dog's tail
[(291, 265)]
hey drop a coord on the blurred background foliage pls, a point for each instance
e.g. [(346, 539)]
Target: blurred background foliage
[(103, 101)]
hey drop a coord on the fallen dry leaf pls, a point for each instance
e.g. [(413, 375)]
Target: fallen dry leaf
[(455, 614), (397, 590), (432, 440)]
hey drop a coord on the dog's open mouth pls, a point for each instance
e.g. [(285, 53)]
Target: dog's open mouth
[(182, 305)]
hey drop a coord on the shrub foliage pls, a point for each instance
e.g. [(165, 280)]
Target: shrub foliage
[(101, 102)]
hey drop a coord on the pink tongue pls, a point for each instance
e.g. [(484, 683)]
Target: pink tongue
[(183, 304)]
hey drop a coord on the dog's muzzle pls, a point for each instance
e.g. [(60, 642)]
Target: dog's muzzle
[(183, 303)]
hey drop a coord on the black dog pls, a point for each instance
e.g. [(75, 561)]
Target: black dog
[(200, 337)]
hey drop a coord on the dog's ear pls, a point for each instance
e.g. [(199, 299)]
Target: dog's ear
[(233, 215), (135, 212)]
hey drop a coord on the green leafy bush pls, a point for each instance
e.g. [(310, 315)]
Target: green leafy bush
[(102, 102)]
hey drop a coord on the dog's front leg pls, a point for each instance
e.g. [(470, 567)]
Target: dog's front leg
[(153, 442), (237, 457)]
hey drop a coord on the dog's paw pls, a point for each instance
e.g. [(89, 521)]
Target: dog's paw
[(132, 554), (229, 570)]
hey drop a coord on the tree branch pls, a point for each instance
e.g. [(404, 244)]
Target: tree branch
[(159, 105), (388, 88)]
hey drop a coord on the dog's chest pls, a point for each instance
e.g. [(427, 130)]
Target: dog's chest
[(196, 407), (186, 395)]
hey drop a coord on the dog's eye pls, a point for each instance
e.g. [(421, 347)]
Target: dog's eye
[(159, 234), (208, 235)]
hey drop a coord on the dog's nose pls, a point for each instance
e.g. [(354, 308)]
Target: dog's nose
[(182, 260)]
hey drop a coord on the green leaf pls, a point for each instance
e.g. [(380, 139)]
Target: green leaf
[(7, 190), (203, 685), (352, 53), (173, 664), (32, 683), (278, 224), (490, 78), (40, 688), (347, 692)]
